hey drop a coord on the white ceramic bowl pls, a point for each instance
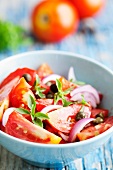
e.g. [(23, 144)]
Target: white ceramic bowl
[(88, 70)]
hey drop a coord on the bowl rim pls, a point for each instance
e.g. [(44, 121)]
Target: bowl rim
[(75, 144)]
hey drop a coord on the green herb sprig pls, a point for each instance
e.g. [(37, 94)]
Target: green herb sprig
[(37, 117), (80, 83), (12, 36), (60, 95), (83, 101), (39, 90)]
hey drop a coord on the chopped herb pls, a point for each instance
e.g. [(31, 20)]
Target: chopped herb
[(39, 90), (78, 82), (83, 101), (37, 117), (60, 95)]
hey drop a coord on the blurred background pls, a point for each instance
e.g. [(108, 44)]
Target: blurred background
[(93, 37)]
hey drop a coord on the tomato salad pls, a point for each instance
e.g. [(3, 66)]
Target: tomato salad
[(44, 107)]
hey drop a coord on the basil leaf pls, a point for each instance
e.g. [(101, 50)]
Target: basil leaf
[(67, 91), (37, 81), (22, 111), (66, 103), (56, 98), (33, 110), (38, 122), (59, 85), (83, 101), (31, 101), (41, 116), (79, 83)]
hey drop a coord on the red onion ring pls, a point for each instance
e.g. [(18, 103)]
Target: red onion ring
[(50, 108), (78, 127), (6, 115), (63, 136), (89, 97), (86, 88), (71, 74), (51, 77)]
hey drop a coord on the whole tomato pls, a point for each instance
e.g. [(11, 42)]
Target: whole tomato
[(87, 8), (54, 20)]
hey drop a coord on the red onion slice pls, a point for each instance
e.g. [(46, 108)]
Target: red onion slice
[(50, 108), (71, 74), (89, 97), (86, 88), (63, 136), (6, 115), (78, 127), (51, 77)]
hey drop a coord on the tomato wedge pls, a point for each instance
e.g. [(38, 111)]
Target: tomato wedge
[(19, 94), (6, 89), (41, 103), (66, 84), (95, 112), (4, 95), (93, 131), (44, 70), (20, 72), (64, 118), (21, 128)]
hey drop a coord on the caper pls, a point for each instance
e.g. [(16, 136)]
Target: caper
[(80, 115), (53, 88), (98, 120), (50, 96), (27, 77), (100, 115)]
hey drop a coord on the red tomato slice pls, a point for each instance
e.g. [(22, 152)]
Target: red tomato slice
[(93, 131), (66, 84), (4, 95), (41, 103), (19, 95), (64, 118), (47, 88), (6, 89), (95, 112), (44, 70), (2, 127), (20, 72), (21, 128)]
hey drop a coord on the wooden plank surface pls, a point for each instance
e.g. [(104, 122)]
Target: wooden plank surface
[(98, 46)]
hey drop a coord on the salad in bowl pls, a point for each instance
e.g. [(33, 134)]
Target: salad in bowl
[(55, 106), (45, 107)]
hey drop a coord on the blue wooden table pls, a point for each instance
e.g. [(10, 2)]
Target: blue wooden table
[(98, 46)]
